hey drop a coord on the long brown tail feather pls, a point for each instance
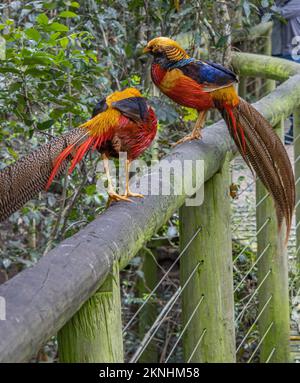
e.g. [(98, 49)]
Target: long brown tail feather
[(28, 176), (266, 155)]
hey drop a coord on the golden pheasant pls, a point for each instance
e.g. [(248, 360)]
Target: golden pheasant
[(122, 122), (205, 85)]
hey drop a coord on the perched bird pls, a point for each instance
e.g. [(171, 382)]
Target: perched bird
[(205, 85), (122, 122)]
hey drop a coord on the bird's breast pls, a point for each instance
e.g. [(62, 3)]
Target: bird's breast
[(181, 88), (157, 74)]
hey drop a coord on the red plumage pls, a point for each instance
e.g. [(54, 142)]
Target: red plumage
[(204, 85), (123, 122)]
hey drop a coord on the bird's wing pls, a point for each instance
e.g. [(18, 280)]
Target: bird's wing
[(135, 108), (209, 75)]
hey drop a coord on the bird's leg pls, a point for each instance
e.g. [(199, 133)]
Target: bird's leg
[(196, 132), (128, 192), (113, 196)]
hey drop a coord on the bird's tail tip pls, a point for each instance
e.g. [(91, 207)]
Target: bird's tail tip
[(264, 152), (77, 151)]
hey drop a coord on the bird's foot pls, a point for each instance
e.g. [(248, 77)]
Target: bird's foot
[(193, 136), (131, 194), (115, 197)]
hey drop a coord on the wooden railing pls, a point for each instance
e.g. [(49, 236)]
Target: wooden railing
[(74, 290)]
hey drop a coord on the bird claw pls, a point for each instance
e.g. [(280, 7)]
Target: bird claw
[(131, 194), (116, 197), (190, 137)]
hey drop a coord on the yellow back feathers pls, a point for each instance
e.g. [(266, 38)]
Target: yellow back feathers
[(227, 95), (121, 95), (103, 122)]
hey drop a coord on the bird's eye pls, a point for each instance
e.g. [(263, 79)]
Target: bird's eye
[(157, 49)]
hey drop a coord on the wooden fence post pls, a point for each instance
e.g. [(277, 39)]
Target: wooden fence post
[(268, 85), (243, 87), (274, 321), (210, 335), (94, 333), (297, 178), (149, 313)]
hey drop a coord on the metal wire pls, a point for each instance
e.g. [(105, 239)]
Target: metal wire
[(185, 328), (197, 345), (271, 354), (252, 267), (260, 342), (161, 317), (247, 187), (249, 83), (158, 265), (248, 215), (252, 296), (246, 246), (262, 199), (295, 139), (298, 293), (161, 280), (262, 87), (297, 159), (253, 324)]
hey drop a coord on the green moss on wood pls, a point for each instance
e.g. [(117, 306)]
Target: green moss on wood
[(214, 278), (275, 260), (149, 313), (254, 65), (297, 176), (94, 333)]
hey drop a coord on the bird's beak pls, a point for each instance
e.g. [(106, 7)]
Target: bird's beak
[(146, 49)]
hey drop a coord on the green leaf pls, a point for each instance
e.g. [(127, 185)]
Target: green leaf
[(9, 70), (92, 55), (33, 34), (74, 4), (30, 133), (67, 14), (90, 189), (12, 153), (58, 27), (191, 114), (64, 42), (15, 86), (54, 36), (42, 19), (37, 59), (56, 113), (45, 125)]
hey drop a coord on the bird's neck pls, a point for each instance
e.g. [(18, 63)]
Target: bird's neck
[(178, 62), (157, 72)]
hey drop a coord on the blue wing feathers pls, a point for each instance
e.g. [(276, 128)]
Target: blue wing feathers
[(205, 72)]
